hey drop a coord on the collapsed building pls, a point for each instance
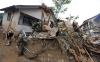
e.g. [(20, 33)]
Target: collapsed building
[(92, 25), (57, 41), (22, 17)]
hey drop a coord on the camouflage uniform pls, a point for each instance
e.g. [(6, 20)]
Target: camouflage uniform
[(77, 32), (35, 27), (75, 27), (20, 45)]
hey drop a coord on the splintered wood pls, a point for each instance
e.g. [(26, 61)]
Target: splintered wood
[(73, 45)]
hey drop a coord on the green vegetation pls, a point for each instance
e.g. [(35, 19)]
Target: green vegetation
[(70, 17), (60, 6)]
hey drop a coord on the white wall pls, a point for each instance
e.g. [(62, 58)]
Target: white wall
[(15, 19), (33, 12), (37, 13), (23, 27), (6, 23)]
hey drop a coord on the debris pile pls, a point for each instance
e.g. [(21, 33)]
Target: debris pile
[(80, 48), (70, 41), (66, 36)]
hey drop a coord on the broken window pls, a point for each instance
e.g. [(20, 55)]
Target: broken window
[(27, 20), (9, 16), (23, 20)]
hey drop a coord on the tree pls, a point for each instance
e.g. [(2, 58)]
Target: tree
[(60, 6), (70, 18)]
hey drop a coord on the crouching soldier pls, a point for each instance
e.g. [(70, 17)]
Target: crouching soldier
[(20, 45), (35, 27), (10, 36)]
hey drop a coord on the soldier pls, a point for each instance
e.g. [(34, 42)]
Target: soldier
[(75, 26), (77, 31), (22, 34), (20, 45), (10, 36), (36, 27)]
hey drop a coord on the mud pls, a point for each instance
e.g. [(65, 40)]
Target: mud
[(10, 53)]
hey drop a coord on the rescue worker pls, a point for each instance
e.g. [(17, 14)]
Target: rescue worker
[(10, 35), (36, 27), (22, 34), (75, 26), (20, 45), (77, 32)]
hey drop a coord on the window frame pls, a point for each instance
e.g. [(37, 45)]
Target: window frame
[(9, 16)]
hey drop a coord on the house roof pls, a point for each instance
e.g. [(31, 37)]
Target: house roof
[(94, 18), (97, 18), (15, 7)]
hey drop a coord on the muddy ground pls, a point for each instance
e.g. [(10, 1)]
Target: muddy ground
[(10, 53)]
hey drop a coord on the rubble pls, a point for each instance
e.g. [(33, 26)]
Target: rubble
[(75, 46)]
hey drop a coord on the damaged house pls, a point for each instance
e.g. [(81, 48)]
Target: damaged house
[(92, 25), (21, 17)]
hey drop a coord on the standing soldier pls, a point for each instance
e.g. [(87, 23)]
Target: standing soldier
[(76, 29), (20, 45), (75, 26)]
